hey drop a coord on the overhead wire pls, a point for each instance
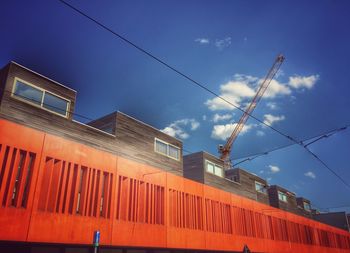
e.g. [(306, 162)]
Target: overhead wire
[(325, 134), (198, 84)]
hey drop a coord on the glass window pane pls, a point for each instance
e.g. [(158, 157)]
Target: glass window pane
[(174, 152), (307, 206), (210, 167), (260, 187), (257, 186), (55, 104), (282, 196), (28, 92), (161, 147), (218, 171)]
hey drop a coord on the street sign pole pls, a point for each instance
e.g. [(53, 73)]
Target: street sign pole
[(96, 240)]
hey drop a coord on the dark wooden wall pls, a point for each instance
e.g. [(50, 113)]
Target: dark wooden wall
[(130, 139), (194, 168), (247, 181), (290, 205)]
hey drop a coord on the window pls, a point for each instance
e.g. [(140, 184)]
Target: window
[(282, 196), (40, 97), (166, 149), (214, 169), (259, 187), (28, 92), (307, 206)]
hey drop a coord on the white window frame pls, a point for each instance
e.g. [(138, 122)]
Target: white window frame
[(41, 106), (308, 204), (284, 194), (167, 149), (215, 165), (263, 186)]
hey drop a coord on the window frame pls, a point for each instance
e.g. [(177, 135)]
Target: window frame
[(263, 186), (214, 166), (167, 149), (284, 194), (41, 106), (306, 204)]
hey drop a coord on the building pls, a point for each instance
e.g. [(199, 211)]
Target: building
[(304, 206), (336, 219), (31, 99), (61, 180), (251, 183), (283, 199), (208, 169)]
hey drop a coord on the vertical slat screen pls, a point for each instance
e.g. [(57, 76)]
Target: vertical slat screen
[(16, 168), (70, 188), (184, 210), (139, 201)]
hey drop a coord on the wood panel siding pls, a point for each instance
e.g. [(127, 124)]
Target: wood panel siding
[(194, 169), (128, 138), (17, 71), (247, 181), (301, 208), (136, 140), (290, 205)]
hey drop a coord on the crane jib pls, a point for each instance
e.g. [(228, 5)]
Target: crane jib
[(225, 150)]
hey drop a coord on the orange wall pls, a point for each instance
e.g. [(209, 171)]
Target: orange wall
[(59, 191)]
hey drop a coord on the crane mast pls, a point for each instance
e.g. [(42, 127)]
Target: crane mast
[(225, 150)]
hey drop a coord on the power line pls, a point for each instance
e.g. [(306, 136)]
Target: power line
[(196, 83), (326, 134), (169, 66), (305, 146)]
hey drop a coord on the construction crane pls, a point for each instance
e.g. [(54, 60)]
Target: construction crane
[(225, 150)]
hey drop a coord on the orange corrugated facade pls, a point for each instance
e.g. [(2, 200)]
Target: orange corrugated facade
[(58, 191)]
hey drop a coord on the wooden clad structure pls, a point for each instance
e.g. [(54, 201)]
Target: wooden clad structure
[(116, 133), (195, 168), (248, 183), (289, 202)]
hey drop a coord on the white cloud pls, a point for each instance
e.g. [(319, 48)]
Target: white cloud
[(303, 81), (275, 89), (217, 117), (194, 125), (202, 41), (260, 133), (269, 179), (178, 128), (261, 172), (223, 43), (274, 169), (222, 132), (204, 117), (310, 174), (233, 91), (241, 89), (272, 105), (270, 119)]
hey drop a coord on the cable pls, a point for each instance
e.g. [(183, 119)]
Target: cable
[(319, 137), (330, 169), (193, 81), (169, 66)]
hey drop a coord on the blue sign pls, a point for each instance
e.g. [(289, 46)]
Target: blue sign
[(96, 238)]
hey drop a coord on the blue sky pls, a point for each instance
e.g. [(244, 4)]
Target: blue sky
[(227, 46)]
